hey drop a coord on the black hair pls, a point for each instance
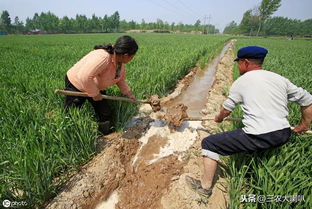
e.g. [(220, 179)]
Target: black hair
[(123, 45)]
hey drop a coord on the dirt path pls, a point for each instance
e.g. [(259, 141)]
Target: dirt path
[(145, 166)]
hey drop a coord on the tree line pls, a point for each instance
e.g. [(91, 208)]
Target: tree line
[(258, 21), (50, 23), (273, 27)]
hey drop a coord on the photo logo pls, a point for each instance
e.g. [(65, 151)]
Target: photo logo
[(13, 204), (6, 203)]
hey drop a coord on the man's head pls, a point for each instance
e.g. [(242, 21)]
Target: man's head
[(250, 58)]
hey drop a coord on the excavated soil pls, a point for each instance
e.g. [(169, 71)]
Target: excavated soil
[(155, 103), (175, 115), (144, 188), (145, 166)]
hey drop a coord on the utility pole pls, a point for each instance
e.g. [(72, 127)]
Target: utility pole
[(204, 25), (209, 18)]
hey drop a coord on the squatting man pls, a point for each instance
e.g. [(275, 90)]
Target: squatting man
[(263, 96)]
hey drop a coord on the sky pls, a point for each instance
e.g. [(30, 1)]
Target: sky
[(215, 12)]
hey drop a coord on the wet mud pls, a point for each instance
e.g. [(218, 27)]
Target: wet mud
[(144, 188), (175, 115)]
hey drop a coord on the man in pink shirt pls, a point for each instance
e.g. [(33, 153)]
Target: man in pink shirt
[(98, 70)]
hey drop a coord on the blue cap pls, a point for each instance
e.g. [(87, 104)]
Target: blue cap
[(251, 52)]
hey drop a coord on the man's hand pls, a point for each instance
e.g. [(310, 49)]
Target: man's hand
[(306, 119), (301, 128), (218, 119), (223, 114), (98, 97)]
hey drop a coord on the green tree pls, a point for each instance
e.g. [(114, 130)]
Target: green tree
[(29, 24), (143, 24), (104, 24), (18, 25), (307, 25), (33, 23), (95, 23), (166, 26), (172, 26), (115, 18), (132, 25), (276, 26), (81, 23), (124, 25), (244, 25), (36, 21), (66, 25), (180, 26), (266, 9), (160, 24), (5, 21), (231, 28), (49, 22), (197, 25), (249, 22)]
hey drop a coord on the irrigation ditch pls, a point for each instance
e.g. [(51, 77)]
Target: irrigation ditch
[(145, 166)]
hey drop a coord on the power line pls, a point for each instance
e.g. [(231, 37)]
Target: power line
[(166, 8), (181, 10), (171, 7), (206, 20), (188, 8), (175, 7)]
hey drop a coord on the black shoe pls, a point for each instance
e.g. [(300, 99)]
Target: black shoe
[(105, 127), (196, 186)]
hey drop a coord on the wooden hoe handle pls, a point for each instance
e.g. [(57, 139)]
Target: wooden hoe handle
[(83, 94), (234, 119), (203, 119)]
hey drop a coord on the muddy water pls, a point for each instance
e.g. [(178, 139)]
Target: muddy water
[(158, 159), (195, 96)]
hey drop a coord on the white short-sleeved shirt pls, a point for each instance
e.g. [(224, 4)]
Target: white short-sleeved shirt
[(263, 97)]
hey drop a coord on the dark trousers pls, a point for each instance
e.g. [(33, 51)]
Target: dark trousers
[(102, 109), (231, 142)]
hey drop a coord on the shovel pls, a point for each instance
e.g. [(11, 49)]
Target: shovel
[(233, 119), (83, 94), (203, 119), (155, 104)]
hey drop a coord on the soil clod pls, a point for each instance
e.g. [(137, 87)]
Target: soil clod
[(155, 103), (175, 115)]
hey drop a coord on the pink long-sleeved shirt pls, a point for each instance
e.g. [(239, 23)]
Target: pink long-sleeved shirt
[(95, 72)]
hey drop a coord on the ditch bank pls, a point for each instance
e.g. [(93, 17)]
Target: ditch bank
[(145, 166)]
